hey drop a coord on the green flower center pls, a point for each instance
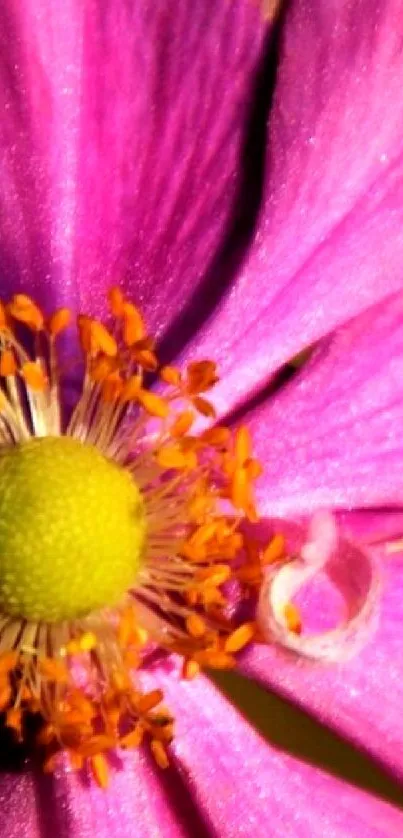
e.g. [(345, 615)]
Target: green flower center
[(72, 530)]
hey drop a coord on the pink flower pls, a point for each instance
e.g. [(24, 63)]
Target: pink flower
[(123, 138)]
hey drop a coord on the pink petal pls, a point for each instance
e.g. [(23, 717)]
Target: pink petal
[(362, 699), (330, 238), (19, 813), (332, 438), (216, 755), (373, 526), (244, 787), (134, 804), (120, 137)]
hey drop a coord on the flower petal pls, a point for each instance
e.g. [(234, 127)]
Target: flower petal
[(361, 700), (323, 561), (19, 813), (330, 241), (120, 139), (134, 803), (219, 755), (215, 752), (332, 438)]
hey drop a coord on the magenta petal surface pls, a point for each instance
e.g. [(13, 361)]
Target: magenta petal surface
[(332, 437), (120, 136), (224, 780), (19, 806), (135, 804), (244, 787), (330, 238), (361, 700)]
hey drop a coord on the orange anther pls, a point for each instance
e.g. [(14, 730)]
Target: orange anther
[(215, 660), (146, 359), (74, 718), (46, 735), (215, 575), (190, 669), (131, 658), (193, 552), (275, 550), (240, 638), (182, 424), (14, 719), (102, 340), (159, 753), (88, 641), (140, 636), (240, 489), (120, 681), (293, 618), (76, 760), (71, 648), (250, 574), (23, 309), (195, 625), (163, 730), (34, 376), (133, 324), (99, 768), (132, 739), (153, 404), (204, 533), (253, 469), (243, 445), (204, 407), (131, 388), (217, 437), (251, 512), (171, 376), (201, 375), (22, 300), (8, 364), (149, 701), (170, 456), (59, 321), (116, 301), (84, 705)]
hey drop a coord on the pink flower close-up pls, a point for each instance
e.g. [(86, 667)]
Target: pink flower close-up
[(202, 187)]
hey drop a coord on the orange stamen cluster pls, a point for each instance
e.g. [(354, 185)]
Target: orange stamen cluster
[(194, 547)]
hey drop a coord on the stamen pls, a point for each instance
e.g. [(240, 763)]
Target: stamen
[(59, 321), (74, 662)]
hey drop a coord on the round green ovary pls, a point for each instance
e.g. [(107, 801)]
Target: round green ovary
[(72, 530)]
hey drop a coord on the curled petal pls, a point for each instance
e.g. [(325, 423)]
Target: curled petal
[(360, 699), (352, 571)]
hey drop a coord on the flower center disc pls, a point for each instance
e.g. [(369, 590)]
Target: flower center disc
[(72, 530)]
